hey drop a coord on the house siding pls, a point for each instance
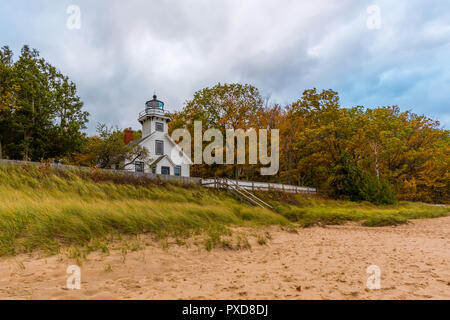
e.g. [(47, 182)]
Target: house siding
[(169, 150)]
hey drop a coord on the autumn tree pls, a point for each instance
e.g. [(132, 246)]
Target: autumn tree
[(107, 150), (223, 106), (8, 89), (357, 152)]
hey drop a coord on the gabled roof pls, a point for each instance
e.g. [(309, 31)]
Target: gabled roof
[(154, 163), (179, 149)]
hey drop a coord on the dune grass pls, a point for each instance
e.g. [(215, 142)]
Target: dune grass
[(308, 211), (47, 208)]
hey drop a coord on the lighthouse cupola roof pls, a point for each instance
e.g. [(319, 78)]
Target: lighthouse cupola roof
[(154, 109), (154, 104)]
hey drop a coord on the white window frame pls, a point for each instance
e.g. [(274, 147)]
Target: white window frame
[(159, 125), (166, 167), (156, 147)]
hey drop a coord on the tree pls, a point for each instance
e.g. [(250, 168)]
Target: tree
[(349, 181), (223, 106), (44, 118), (356, 152), (8, 88), (107, 150)]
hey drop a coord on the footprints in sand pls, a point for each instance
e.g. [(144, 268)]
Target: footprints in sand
[(315, 263)]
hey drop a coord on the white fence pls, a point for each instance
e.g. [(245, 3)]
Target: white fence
[(259, 186)]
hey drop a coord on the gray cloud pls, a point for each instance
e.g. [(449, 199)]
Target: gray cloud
[(123, 53)]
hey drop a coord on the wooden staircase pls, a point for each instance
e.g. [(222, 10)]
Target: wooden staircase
[(239, 192)]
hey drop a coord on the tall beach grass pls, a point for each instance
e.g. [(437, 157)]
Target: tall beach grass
[(315, 210), (48, 208)]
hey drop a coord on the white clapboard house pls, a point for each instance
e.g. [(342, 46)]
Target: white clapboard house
[(165, 156)]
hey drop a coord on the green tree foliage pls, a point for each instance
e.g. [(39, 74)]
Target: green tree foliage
[(8, 88), (225, 106), (348, 181), (222, 106), (41, 115)]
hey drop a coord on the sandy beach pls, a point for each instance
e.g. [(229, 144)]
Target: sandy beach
[(314, 263)]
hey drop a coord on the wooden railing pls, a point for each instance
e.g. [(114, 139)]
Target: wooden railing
[(241, 189), (233, 186), (260, 186)]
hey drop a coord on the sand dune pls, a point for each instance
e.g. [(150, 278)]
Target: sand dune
[(315, 263)]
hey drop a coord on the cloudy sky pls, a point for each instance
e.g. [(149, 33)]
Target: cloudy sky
[(374, 53)]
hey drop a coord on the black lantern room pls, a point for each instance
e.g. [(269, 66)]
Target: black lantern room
[(154, 104)]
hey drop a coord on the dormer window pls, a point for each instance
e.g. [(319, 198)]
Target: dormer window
[(159, 126)]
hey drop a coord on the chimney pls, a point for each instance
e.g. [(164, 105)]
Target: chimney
[(128, 136)]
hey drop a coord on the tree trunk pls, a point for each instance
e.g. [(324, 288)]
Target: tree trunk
[(25, 151), (376, 165), (289, 165), (1, 151), (374, 146)]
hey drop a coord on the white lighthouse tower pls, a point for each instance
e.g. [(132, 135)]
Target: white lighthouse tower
[(165, 156), (153, 118)]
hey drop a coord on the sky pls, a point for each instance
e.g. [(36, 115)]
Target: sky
[(119, 53)]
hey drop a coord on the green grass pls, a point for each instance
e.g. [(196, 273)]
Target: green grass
[(309, 211), (45, 208), (48, 209)]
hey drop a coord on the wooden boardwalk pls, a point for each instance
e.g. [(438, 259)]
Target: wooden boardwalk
[(241, 189), (259, 186)]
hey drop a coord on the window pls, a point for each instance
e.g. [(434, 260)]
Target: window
[(178, 171), (159, 126), (153, 169), (165, 170), (159, 147), (139, 166)]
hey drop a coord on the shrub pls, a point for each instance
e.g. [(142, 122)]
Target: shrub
[(350, 182)]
